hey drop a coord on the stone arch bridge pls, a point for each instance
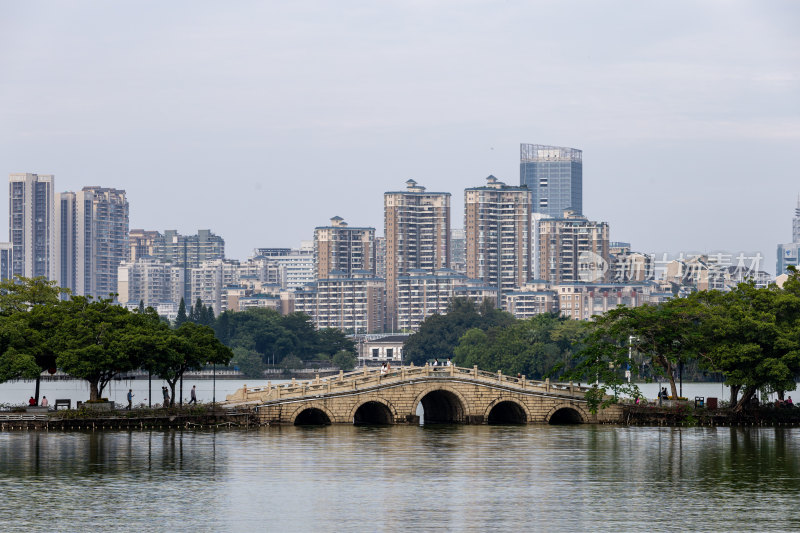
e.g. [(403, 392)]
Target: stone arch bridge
[(448, 394)]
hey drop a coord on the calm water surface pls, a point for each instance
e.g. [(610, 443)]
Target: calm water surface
[(448, 478)]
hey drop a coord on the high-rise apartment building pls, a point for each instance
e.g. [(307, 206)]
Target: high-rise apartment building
[(497, 221), (6, 251), (554, 175), (342, 248), (32, 227), (149, 280), (789, 253), (573, 248), (185, 251), (380, 257), (66, 256), (417, 230), (101, 239), (458, 250), (189, 251), (143, 243)]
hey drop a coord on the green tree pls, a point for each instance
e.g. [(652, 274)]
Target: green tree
[(537, 347), (25, 348), (190, 347), (182, 316), (663, 336), (249, 362), (23, 294), (438, 335), (93, 341), (752, 336), (345, 360), (291, 362)]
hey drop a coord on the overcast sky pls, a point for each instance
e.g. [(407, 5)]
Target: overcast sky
[(262, 120)]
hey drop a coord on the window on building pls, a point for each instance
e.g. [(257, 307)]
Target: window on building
[(375, 353), (542, 182), (389, 352), (543, 202)]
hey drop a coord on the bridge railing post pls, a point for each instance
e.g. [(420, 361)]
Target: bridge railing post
[(571, 388), (475, 370), (341, 375), (522, 381), (452, 369), (499, 375), (547, 384)]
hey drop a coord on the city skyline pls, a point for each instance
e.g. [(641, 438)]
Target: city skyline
[(687, 125)]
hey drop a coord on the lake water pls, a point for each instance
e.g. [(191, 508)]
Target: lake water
[(18, 392), (445, 478)]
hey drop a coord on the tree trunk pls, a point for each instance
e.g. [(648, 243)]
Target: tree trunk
[(780, 395), (735, 394), (172, 392), (38, 381), (667, 366), (747, 395), (94, 392)]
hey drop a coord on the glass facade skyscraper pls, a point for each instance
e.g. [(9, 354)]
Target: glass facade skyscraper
[(554, 175)]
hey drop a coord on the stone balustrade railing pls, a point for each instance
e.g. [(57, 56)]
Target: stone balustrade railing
[(376, 377)]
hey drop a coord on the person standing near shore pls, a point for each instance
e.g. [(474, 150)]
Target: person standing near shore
[(130, 399)]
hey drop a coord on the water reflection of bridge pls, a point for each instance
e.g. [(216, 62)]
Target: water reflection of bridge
[(447, 394)]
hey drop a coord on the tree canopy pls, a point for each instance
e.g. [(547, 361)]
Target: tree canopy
[(751, 336), (274, 336), (438, 335), (541, 346)]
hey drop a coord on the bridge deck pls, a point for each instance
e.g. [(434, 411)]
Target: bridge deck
[(369, 378)]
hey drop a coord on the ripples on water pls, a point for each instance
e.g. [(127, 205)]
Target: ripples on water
[(479, 478)]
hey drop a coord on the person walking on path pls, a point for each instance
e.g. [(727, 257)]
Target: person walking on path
[(130, 399), (165, 392), (193, 395)]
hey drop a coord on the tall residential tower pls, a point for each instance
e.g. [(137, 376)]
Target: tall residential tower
[(31, 226), (342, 248), (101, 238), (497, 220), (417, 230)]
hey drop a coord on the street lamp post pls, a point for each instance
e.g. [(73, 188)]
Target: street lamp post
[(214, 385)]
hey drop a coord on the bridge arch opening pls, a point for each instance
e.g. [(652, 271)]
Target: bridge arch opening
[(507, 412), (441, 407), (312, 417), (372, 413), (565, 416)]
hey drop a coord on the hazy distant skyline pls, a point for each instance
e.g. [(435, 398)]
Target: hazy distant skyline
[(248, 118)]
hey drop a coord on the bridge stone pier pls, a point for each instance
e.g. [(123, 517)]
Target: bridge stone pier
[(448, 394)]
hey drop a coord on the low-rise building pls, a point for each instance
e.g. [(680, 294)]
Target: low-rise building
[(536, 297)]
